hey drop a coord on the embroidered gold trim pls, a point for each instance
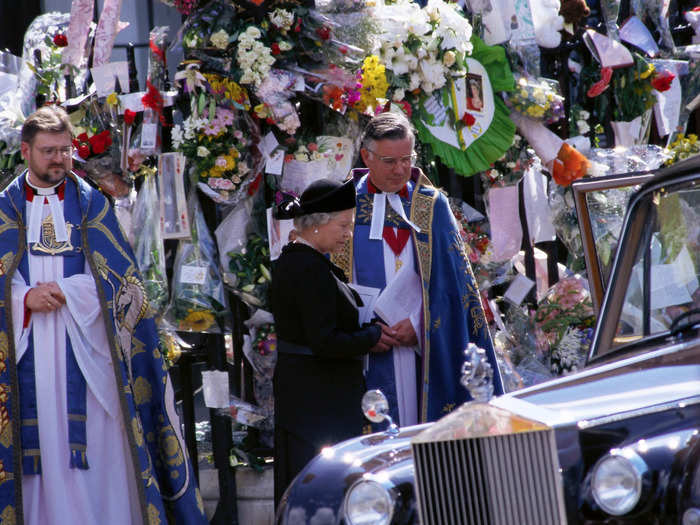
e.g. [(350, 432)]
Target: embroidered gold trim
[(422, 209), (48, 243), (343, 259)]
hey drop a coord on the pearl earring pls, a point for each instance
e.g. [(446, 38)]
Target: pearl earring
[(315, 230)]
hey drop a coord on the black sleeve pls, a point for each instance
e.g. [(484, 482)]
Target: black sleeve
[(319, 318)]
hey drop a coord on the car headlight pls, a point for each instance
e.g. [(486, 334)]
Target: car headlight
[(616, 482), (368, 502)]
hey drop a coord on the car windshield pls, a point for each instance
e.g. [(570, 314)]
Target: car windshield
[(663, 283)]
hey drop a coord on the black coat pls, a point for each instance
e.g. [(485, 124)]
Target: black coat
[(317, 397)]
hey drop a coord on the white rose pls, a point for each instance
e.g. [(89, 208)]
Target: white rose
[(202, 152), (285, 46), (219, 39), (399, 95), (583, 126)]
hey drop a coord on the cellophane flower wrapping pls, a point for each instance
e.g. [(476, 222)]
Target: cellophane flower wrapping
[(250, 273), (564, 320), (198, 301), (565, 221), (260, 348), (148, 245)]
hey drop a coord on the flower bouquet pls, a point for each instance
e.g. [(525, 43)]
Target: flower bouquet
[(422, 48), (198, 301), (682, 148), (564, 320), (538, 99), (223, 156), (251, 275), (509, 169)]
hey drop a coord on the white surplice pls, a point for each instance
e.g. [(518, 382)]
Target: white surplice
[(405, 356), (107, 491)]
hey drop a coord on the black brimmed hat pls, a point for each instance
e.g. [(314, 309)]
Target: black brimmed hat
[(322, 196)]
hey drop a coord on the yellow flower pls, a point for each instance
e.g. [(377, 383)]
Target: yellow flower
[(112, 99), (648, 72), (197, 321), (374, 83)]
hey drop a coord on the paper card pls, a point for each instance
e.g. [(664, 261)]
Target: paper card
[(340, 152), (149, 136), (277, 234), (369, 298), (521, 24), (193, 274), (174, 217), (274, 164), (400, 296), (634, 32), (298, 175), (105, 77), (518, 289), (299, 83), (215, 388), (268, 144), (608, 52), (506, 233)]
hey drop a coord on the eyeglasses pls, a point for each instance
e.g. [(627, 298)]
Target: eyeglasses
[(49, 153), (406, 160)]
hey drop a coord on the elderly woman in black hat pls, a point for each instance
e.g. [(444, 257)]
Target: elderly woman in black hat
[(318, 382)]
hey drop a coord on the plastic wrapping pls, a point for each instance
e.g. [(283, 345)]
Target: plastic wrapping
[(642, 157), (536, 98), (198, 300), (260, 348), (157, 71), (276, 92), (250, 273), (148, 245)]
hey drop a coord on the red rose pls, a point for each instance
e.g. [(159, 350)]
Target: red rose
[(84, 151), (83, 137), (468, 119), (270, 120), (275, 47), (602, 84), (60, 40), (129, 117), (107, 137), (76, 143), (324, 32), (297, 27), (662, 80)]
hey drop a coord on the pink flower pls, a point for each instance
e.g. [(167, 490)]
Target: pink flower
[(312, 146)]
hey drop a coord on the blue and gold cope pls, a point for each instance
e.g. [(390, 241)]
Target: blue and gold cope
[(166, 485), (454, 315)]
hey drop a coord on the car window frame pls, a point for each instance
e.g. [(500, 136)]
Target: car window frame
[(684, 175), (581, 188)]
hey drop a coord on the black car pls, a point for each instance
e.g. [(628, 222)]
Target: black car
[(615, 443)]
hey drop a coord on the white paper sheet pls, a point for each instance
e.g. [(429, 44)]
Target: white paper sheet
[(369, 297)]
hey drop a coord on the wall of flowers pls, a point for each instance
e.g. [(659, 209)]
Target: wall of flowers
[(522, 98)]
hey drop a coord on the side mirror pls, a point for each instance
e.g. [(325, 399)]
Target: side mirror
[(375, 407)]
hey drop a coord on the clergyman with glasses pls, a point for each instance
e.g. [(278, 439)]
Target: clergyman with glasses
[(88, 428), (406, 240)]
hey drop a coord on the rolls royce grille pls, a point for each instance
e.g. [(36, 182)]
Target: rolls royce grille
[(495, 480)]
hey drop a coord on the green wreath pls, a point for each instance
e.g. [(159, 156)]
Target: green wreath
[(490, 146)]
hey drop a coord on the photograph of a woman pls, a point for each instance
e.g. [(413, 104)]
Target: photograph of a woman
[(475, 93)]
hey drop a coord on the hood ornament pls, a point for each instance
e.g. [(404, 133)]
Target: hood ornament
[(477, 374)]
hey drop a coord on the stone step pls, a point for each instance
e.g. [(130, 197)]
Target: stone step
[(255, 494)]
